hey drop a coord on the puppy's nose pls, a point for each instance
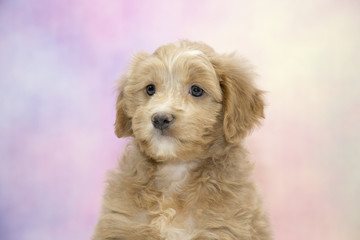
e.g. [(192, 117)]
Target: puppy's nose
[(162, 120)]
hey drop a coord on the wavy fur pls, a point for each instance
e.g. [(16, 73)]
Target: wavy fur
[(192, 180)]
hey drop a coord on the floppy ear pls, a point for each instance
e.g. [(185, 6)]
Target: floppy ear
[(243, 105), (122, 122)]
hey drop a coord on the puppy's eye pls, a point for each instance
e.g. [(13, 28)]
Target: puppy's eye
[(196, 91), (150, 89)]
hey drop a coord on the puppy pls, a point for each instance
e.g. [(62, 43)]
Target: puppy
[(185, 175)]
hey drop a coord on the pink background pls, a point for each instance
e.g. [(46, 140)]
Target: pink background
[(59, 61)]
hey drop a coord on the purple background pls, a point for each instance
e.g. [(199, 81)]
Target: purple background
[(59, 61)]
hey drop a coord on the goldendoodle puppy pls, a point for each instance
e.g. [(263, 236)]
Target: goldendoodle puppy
[(185, 175)]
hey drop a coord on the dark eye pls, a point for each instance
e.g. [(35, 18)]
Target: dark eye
[(196, 91), (150, 89)]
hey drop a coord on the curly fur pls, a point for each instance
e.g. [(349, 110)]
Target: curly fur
[(192, 180)]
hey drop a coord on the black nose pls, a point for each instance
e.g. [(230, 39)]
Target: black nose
[(162, 120)]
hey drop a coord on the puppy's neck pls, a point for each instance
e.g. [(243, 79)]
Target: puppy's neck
[(170, 176)]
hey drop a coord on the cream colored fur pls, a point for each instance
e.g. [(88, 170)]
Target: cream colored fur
[(193, 179)]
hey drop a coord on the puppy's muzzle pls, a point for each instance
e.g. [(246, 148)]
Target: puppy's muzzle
[(162, 120)]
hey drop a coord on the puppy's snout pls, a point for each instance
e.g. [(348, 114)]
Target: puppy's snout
[(162, 120)]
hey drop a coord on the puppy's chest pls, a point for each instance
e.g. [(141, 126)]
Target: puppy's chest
[(171, 218)]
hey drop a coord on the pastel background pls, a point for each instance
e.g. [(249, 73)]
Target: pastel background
[(59, 61)]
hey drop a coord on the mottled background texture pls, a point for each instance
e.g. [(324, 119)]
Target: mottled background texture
[(59, 62)]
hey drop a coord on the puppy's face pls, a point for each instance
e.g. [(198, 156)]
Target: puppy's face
[(174, 102)]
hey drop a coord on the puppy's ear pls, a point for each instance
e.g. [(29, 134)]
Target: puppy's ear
[(243, 105), (123, 121)]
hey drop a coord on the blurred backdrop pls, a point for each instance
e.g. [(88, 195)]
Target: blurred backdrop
[(59, 61)]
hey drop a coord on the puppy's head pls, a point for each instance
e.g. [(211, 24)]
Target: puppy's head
[(183, 99)]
